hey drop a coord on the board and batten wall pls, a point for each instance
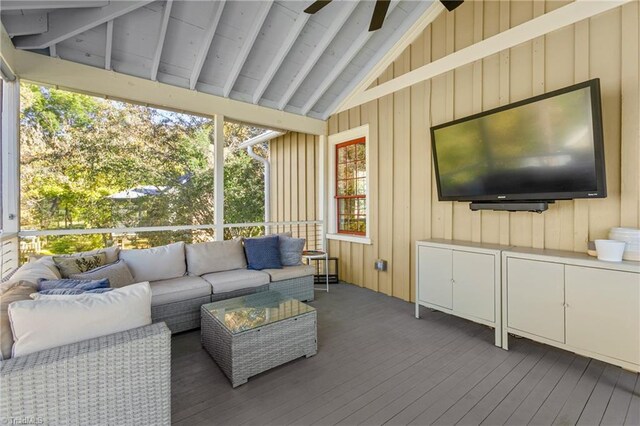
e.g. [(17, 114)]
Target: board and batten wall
[(294, 182), (403, 195)]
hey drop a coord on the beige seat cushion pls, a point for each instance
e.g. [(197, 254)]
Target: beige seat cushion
[(178, 289), (156, 263), (215, 256), (223, 282), (290, 272), (17, 290)]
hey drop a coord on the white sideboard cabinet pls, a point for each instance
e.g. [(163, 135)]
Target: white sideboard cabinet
[(462, 279), (574, 302)]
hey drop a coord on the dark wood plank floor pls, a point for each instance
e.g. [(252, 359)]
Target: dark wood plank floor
[(377, 364)]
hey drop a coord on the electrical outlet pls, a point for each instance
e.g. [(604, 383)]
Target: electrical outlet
[(380, 265)]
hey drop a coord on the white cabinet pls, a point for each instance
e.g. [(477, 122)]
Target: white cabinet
[(460, 278), (574, 302), (434, 275), (536, 298), (602, 312)]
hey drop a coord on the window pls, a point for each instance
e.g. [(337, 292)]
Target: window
[(348, 198), (351, 187)]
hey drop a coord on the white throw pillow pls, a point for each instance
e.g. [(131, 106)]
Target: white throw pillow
[(31, 272), (156, 263), (215, 256), (51, 321)]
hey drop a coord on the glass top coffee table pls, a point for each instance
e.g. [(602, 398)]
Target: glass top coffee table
[(250, 334)]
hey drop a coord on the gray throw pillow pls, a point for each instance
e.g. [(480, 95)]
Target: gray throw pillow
[(291, 250), (118, 274)]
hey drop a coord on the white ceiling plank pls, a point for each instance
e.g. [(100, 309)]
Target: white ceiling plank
[(529, 30), (64, 24), (51, 4), (68, 75), (107, 51), (166, 14), (337, 69), (299, 24), (322, 45), (206, 44), (246, 47), (370, 73), (27, 24)]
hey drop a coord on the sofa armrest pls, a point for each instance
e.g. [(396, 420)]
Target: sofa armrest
[(122, 378)]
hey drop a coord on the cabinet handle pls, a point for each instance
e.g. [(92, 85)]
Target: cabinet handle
[(453, 281)]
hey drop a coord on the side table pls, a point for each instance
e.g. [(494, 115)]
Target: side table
[(310, 255)]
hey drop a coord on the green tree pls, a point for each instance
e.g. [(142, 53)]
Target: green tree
[(77, 151)]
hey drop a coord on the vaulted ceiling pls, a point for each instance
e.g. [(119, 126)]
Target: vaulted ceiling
[(268, 53)]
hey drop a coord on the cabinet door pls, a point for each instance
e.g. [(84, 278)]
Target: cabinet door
[(474, 284), (434, 275), (535, 298), (603, 312)]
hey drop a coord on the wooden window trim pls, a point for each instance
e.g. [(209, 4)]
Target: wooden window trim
[(337, 197)]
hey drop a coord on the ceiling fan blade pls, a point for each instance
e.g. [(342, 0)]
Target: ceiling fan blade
[(379, 13), (316, 6), (451, 4)]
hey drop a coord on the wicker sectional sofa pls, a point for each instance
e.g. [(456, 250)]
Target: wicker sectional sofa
[(181, 291)]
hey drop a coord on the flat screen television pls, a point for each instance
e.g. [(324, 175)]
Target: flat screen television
[(549, 147)]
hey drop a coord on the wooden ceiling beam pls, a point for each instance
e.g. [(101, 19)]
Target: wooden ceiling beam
[(166, 14), (342, 63), (64, 24), (252, 34), (284, 50), (206, 44), (320, 48)]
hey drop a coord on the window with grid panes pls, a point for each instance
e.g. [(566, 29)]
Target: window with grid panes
[(351, 187)]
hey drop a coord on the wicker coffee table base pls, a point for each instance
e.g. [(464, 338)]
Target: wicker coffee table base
[(246, 354)]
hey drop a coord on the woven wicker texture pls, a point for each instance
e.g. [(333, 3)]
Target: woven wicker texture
[(180, 316), (119, 379), (251, 352), (237, 293), (296, 288)]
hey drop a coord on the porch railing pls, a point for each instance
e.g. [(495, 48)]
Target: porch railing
[(16, 248)]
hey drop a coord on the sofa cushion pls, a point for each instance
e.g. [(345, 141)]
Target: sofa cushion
[(18, 290), (291, 250), (290, 272), (215, 256), (117, 273), (178, 289), (31, 272), (70, 265), (223, 282), (156, 263), (263, 253), (53, 321)]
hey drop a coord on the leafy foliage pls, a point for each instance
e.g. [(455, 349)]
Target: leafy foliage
[(77, 151)]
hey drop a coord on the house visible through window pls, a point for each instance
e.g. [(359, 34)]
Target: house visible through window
[(351, 187)]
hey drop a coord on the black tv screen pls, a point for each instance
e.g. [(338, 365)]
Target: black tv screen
[(549, 147)]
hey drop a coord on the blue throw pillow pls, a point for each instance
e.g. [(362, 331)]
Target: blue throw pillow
[(73, 291), (83, 285), (263, 253)]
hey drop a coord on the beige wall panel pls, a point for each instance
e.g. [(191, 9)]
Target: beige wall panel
[(385, 185), (420, 166), (630, 179), (402, 183), (476, 100), (604, 56), (369, 114)]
